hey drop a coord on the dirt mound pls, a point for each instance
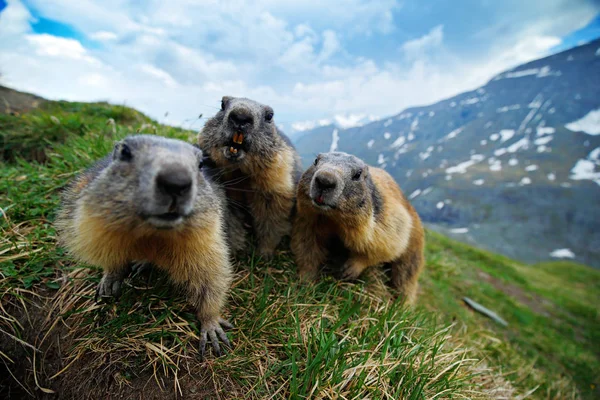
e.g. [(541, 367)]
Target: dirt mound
[(14, 102)]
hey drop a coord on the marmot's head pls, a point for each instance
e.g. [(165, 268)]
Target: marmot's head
[(339, 183), (240, 128), (150, 181)]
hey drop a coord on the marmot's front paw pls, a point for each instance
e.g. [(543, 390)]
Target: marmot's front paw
[(214, 330), (351, 270), (109, 286), (308, 275), (266, 252)]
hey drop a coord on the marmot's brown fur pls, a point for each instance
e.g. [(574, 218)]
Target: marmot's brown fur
[(341, 198), (149, 201), (258, 167)]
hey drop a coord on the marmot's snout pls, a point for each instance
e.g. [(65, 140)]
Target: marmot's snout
[(241, 123), (241, 119), (326, 188), (173, 196), (174, 181)]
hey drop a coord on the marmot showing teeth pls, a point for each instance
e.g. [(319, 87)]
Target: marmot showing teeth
[(150, 201), (341, 198), (259, 168)]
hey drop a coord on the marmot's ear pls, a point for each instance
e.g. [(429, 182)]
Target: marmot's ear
[(121, 151), (224, 101), (117, 149)]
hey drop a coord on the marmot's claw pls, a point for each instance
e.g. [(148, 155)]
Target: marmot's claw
[(225, 324), (140, 267), (349, 273), (214, 331), (109, 286)]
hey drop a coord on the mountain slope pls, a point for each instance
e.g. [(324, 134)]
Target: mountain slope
[(513, 166)]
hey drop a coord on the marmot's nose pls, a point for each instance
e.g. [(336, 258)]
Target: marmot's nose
[(174, 182), (325, 181), (240, 117)]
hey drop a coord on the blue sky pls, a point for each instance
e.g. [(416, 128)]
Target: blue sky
[(347, 61)]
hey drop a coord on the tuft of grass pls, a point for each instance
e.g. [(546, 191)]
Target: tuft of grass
[(327, 340)]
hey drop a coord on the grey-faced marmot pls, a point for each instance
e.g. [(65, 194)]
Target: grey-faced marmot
[(259, 168), (340, 197), (150, 201)]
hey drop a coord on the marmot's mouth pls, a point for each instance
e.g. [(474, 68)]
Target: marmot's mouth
[(236, 143), (170, 216)]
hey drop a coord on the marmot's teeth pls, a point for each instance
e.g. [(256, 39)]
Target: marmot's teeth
[(238, 138)]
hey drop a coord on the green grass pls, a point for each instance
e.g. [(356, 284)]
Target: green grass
[(291, 340)]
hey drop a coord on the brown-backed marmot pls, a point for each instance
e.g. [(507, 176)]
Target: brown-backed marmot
[(340, 197), (150, 201), (258, 167)]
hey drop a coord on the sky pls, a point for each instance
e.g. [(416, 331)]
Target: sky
[(348, 61)]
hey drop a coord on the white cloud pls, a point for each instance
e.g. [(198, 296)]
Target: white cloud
[(53, 46), (104, 36), (14, 20), (419, 47)]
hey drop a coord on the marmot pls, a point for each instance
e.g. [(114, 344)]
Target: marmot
[(150, 201), (341, 198), (258, 167)]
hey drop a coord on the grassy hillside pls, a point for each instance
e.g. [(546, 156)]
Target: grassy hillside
[(291, 341)]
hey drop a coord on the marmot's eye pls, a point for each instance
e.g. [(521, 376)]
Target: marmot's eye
[(125, 154), (357, 175), (316, 160), (200, 164), (269, 116)]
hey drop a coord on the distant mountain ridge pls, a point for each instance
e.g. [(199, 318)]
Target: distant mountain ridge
[(513, 166)]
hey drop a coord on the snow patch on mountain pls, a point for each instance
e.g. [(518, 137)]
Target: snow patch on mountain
[(544, 130), (589, 124), (538, 72), (335, 138), (588, 168), (508, 108), (414, 194), (462, 167), (522, 144), (451, 135), (506, 134), (562, 253), (370, 143), (495, 165), (472, 100), (543, 140)]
